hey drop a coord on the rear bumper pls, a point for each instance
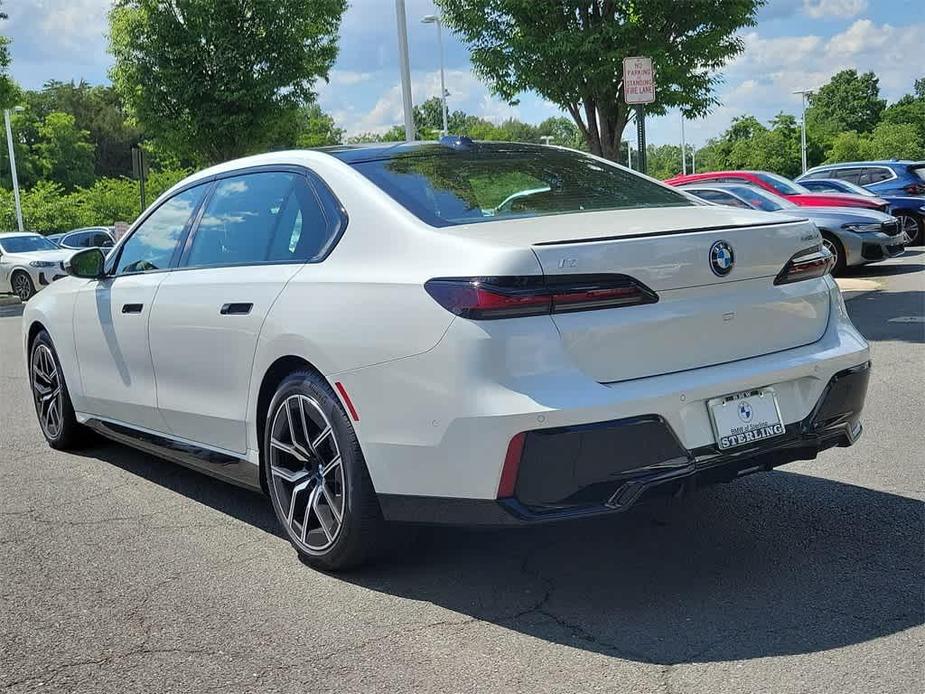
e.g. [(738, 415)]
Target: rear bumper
[(604, 468)]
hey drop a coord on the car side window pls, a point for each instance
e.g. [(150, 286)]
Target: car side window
[(851, 175), (265, 217), (152, 245), (876, 175), (100, 240)]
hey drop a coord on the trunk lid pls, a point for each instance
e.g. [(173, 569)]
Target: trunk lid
[(702, 318)]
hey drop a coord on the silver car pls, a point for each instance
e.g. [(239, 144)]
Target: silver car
[(854, 236)]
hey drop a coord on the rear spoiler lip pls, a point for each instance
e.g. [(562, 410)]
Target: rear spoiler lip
[(673, 232)]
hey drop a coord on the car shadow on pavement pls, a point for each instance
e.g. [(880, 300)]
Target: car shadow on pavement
[(777, 564), (875, 270), (889, 316), (774, 564)]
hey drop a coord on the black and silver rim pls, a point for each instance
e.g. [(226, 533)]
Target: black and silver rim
[(46, 388), (21, 286), (306, 473), (909, 226), (832, 248)]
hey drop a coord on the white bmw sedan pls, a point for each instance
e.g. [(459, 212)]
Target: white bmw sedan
[(449, 332)]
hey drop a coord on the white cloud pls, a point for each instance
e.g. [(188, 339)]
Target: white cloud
[(61, 30), (839, 9)]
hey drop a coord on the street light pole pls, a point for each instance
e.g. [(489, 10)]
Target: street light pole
[(9, 142), (683, 148), (436, 19), (405, 65), (803, 94)]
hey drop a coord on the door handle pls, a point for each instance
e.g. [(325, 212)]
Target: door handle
[(132, 308), (238, 309)]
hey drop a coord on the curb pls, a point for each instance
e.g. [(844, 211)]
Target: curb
[(9, 301)]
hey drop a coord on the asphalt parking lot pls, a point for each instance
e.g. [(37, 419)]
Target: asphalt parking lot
[(122, 573)]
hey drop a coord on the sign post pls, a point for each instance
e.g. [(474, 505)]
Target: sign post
[(140, 171), (639, 90)]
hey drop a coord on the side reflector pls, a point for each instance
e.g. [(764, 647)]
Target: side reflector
[(347, 401), (807, 264), (515, 450)]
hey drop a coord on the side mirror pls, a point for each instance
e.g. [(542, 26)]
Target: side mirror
[(88, 264)]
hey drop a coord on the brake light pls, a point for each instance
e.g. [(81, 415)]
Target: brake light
[(915, 189), (807, 264), (488, 298)]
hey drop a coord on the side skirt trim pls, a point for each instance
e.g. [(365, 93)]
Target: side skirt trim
[(228, 468)]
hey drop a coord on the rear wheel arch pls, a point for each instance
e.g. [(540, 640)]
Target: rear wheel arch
[(34, 329), (841, 260), (275, 374)]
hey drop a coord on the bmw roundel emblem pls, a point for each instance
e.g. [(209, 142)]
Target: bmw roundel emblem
[(721, 258), (745, 412)]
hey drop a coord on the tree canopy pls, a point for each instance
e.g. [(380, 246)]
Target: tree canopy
[(571, 53), (213, 81)]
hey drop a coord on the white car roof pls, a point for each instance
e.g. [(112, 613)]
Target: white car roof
[(14, 234)]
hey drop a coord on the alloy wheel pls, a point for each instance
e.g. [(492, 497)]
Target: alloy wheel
[(46, 388), (306, 473), (22, 287), (832, 248), (911, 226)]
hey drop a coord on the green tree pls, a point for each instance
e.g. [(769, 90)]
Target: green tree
[(316, 128), (889, 140), (8, 88), (216, 80), (846, 146), (909, 110), (64, 152), (563, 132), (664, 161), (849, 101), (98, 110), (571, 53)]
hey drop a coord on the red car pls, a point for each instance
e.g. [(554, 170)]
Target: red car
[(784, 187)]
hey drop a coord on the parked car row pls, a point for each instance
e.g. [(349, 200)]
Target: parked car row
[(30, 261), (866, 211)]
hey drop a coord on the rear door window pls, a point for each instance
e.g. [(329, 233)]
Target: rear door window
[(266, 217), (851, 175)]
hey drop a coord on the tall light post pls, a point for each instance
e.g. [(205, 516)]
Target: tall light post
[(436, 19), (405, 65), (803, 94), (683, 148), (9, 142)]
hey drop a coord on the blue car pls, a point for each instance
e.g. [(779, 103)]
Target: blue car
[(881, 177), (908, 209)]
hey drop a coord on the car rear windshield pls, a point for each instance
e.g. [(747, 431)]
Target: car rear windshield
[(26, 244), (448, 187), (781, 184)]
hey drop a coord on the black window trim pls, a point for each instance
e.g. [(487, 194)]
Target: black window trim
[(314, 183), (112, 262)]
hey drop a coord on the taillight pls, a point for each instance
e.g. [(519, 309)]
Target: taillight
[(915, 189), (487, 298), (515, 452), (807, 264)]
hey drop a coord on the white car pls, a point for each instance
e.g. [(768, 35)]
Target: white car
[(368, 335), (29, 262)]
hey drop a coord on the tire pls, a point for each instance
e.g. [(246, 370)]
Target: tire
[(314, 471), (835, 247), (912, 225), (51, 398), (22, 285)]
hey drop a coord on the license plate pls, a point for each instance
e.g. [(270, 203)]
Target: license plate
[(745, 418)]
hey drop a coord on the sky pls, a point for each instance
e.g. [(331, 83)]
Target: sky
[(796, 44)]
